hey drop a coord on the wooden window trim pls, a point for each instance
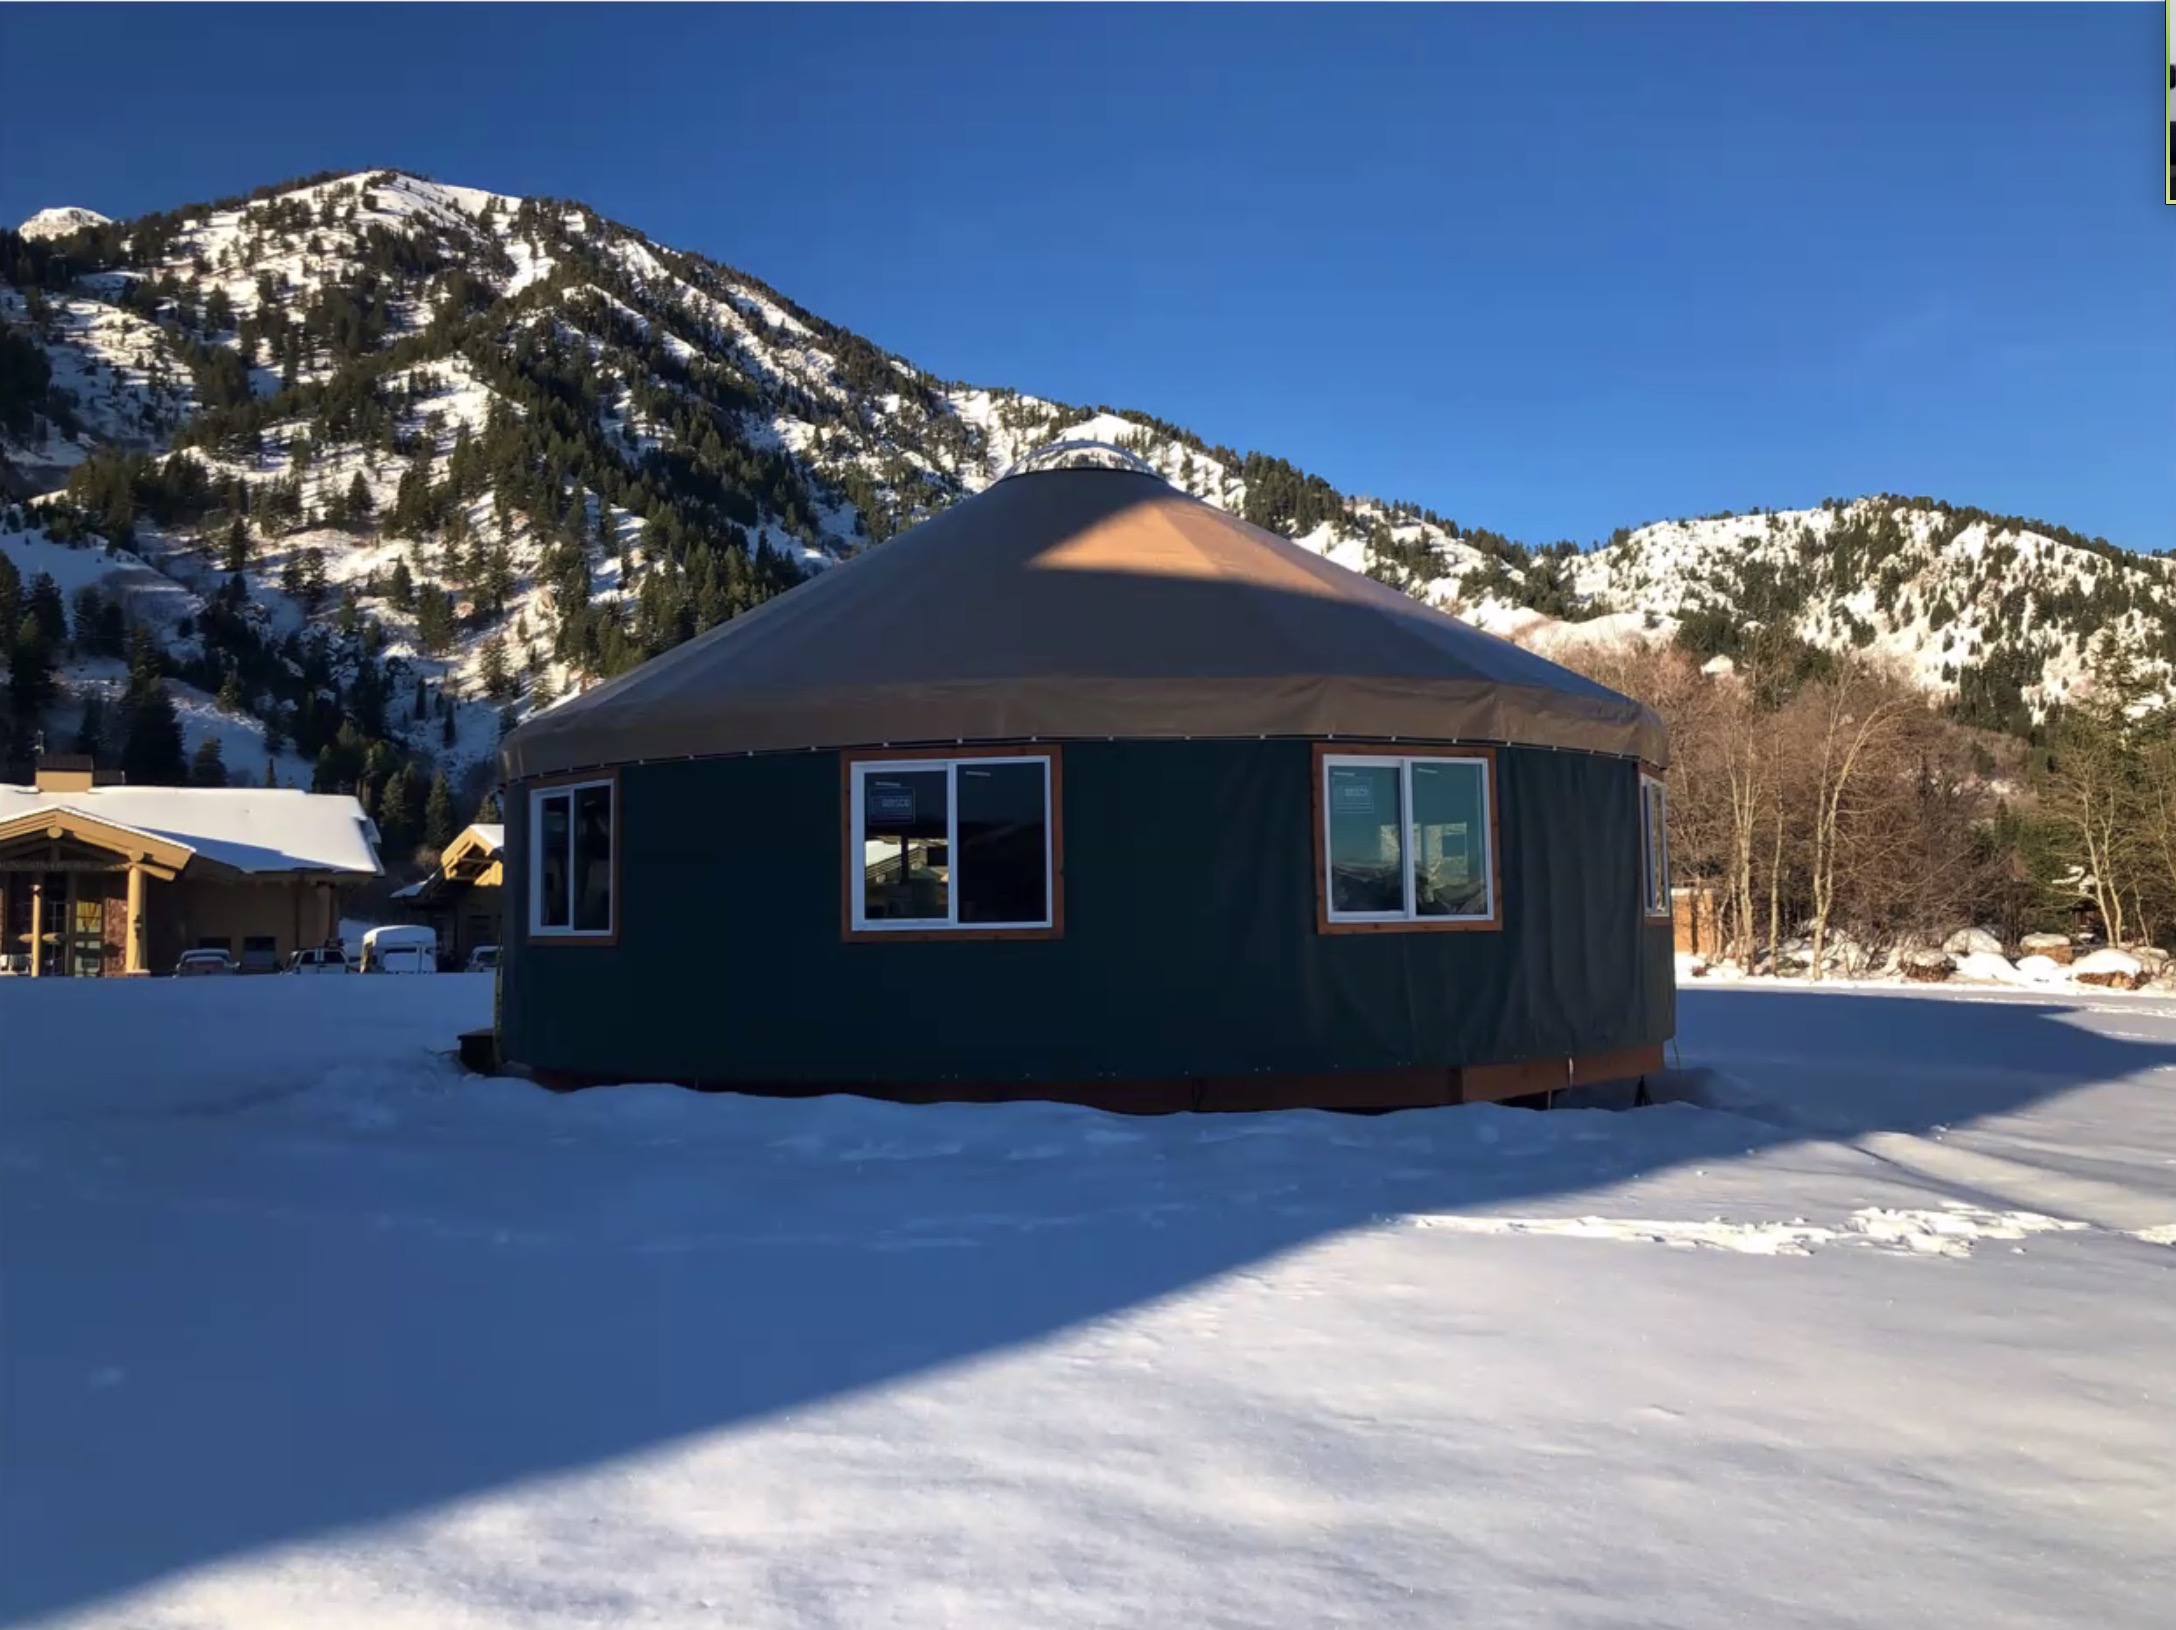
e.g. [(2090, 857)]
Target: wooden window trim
[(850, 862), (1318, 798), (1649, 911), (531, 858)]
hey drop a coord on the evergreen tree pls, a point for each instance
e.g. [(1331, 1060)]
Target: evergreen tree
[(400, 589), (487, 812), (236, 557), (434, 620), (491, 670), (151, 743), (89, 607), (30, 673), (207, 765), (438, 824), (271, 773), (230, 692), (146, 662), (449, 730), (91, 732), (313, 578), (325, 775), (394, 813), (43, 603), (11, 601), (111, 637), (359, 501)]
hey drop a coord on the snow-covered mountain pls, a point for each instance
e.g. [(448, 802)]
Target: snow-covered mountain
[(495, 447), (59, 223)]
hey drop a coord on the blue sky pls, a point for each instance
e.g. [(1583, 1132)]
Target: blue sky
[(1547, 270)]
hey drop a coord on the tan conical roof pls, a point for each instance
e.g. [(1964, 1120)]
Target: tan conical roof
[(1081, 603)]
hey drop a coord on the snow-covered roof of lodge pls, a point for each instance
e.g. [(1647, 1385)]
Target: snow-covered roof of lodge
[(252, 829)]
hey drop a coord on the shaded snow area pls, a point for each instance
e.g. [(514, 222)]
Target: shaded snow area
[(1872, 1325)]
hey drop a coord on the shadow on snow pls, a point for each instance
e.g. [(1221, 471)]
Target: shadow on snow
[(216, 1343)]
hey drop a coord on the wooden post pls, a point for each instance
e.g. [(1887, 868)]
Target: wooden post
[(133, 960), (37, 924)]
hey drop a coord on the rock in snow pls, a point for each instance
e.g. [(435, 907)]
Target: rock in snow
[(2055, 947), (2116, 970), (1988, 965), (1927, 967), (1973, 942)]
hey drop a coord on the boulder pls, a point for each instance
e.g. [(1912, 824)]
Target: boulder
[(1973, 942), (2055, 947), (1927, 967), (2110, 969), (2150, 957), (1987, 966), (2039, 970)]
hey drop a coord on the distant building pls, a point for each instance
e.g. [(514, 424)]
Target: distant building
[(460, 899), (98, 877)]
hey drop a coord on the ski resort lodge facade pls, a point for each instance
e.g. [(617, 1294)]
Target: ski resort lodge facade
[(98, 878)]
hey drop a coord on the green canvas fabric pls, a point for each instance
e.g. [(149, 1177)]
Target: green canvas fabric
[(1189, 949)]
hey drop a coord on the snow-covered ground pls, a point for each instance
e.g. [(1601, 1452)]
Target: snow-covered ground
[(302, 1327)]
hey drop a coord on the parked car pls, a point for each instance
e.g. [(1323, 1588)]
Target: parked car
[(263, 957), (319, 959), (194, 963), (484, 959), (400, 948)]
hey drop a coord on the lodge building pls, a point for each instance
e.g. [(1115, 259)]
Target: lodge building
[(99, 878)]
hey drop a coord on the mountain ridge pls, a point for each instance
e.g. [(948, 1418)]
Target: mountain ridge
[(528, 446)]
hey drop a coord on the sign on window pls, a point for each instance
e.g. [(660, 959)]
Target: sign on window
[(890, 803)]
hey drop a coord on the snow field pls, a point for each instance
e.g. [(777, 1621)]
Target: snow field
[(305, 1324)]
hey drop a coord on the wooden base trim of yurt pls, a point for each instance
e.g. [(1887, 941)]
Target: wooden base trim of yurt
[(1344, 1089)]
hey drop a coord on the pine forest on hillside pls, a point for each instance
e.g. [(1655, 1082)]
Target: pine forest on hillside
[(330, 485)]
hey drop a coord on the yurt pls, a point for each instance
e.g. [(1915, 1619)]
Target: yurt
[(1088, 790)]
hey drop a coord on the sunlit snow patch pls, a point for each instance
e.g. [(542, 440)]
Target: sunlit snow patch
[(1951, 1231)]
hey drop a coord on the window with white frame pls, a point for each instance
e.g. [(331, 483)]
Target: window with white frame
[(960, 843), (571, 836), (1654, 846), (1406, 839)]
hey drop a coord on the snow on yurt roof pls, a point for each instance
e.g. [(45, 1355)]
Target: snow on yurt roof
[(1067, 602)]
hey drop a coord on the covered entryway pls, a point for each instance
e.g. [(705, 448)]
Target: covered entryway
[(74, 894)]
